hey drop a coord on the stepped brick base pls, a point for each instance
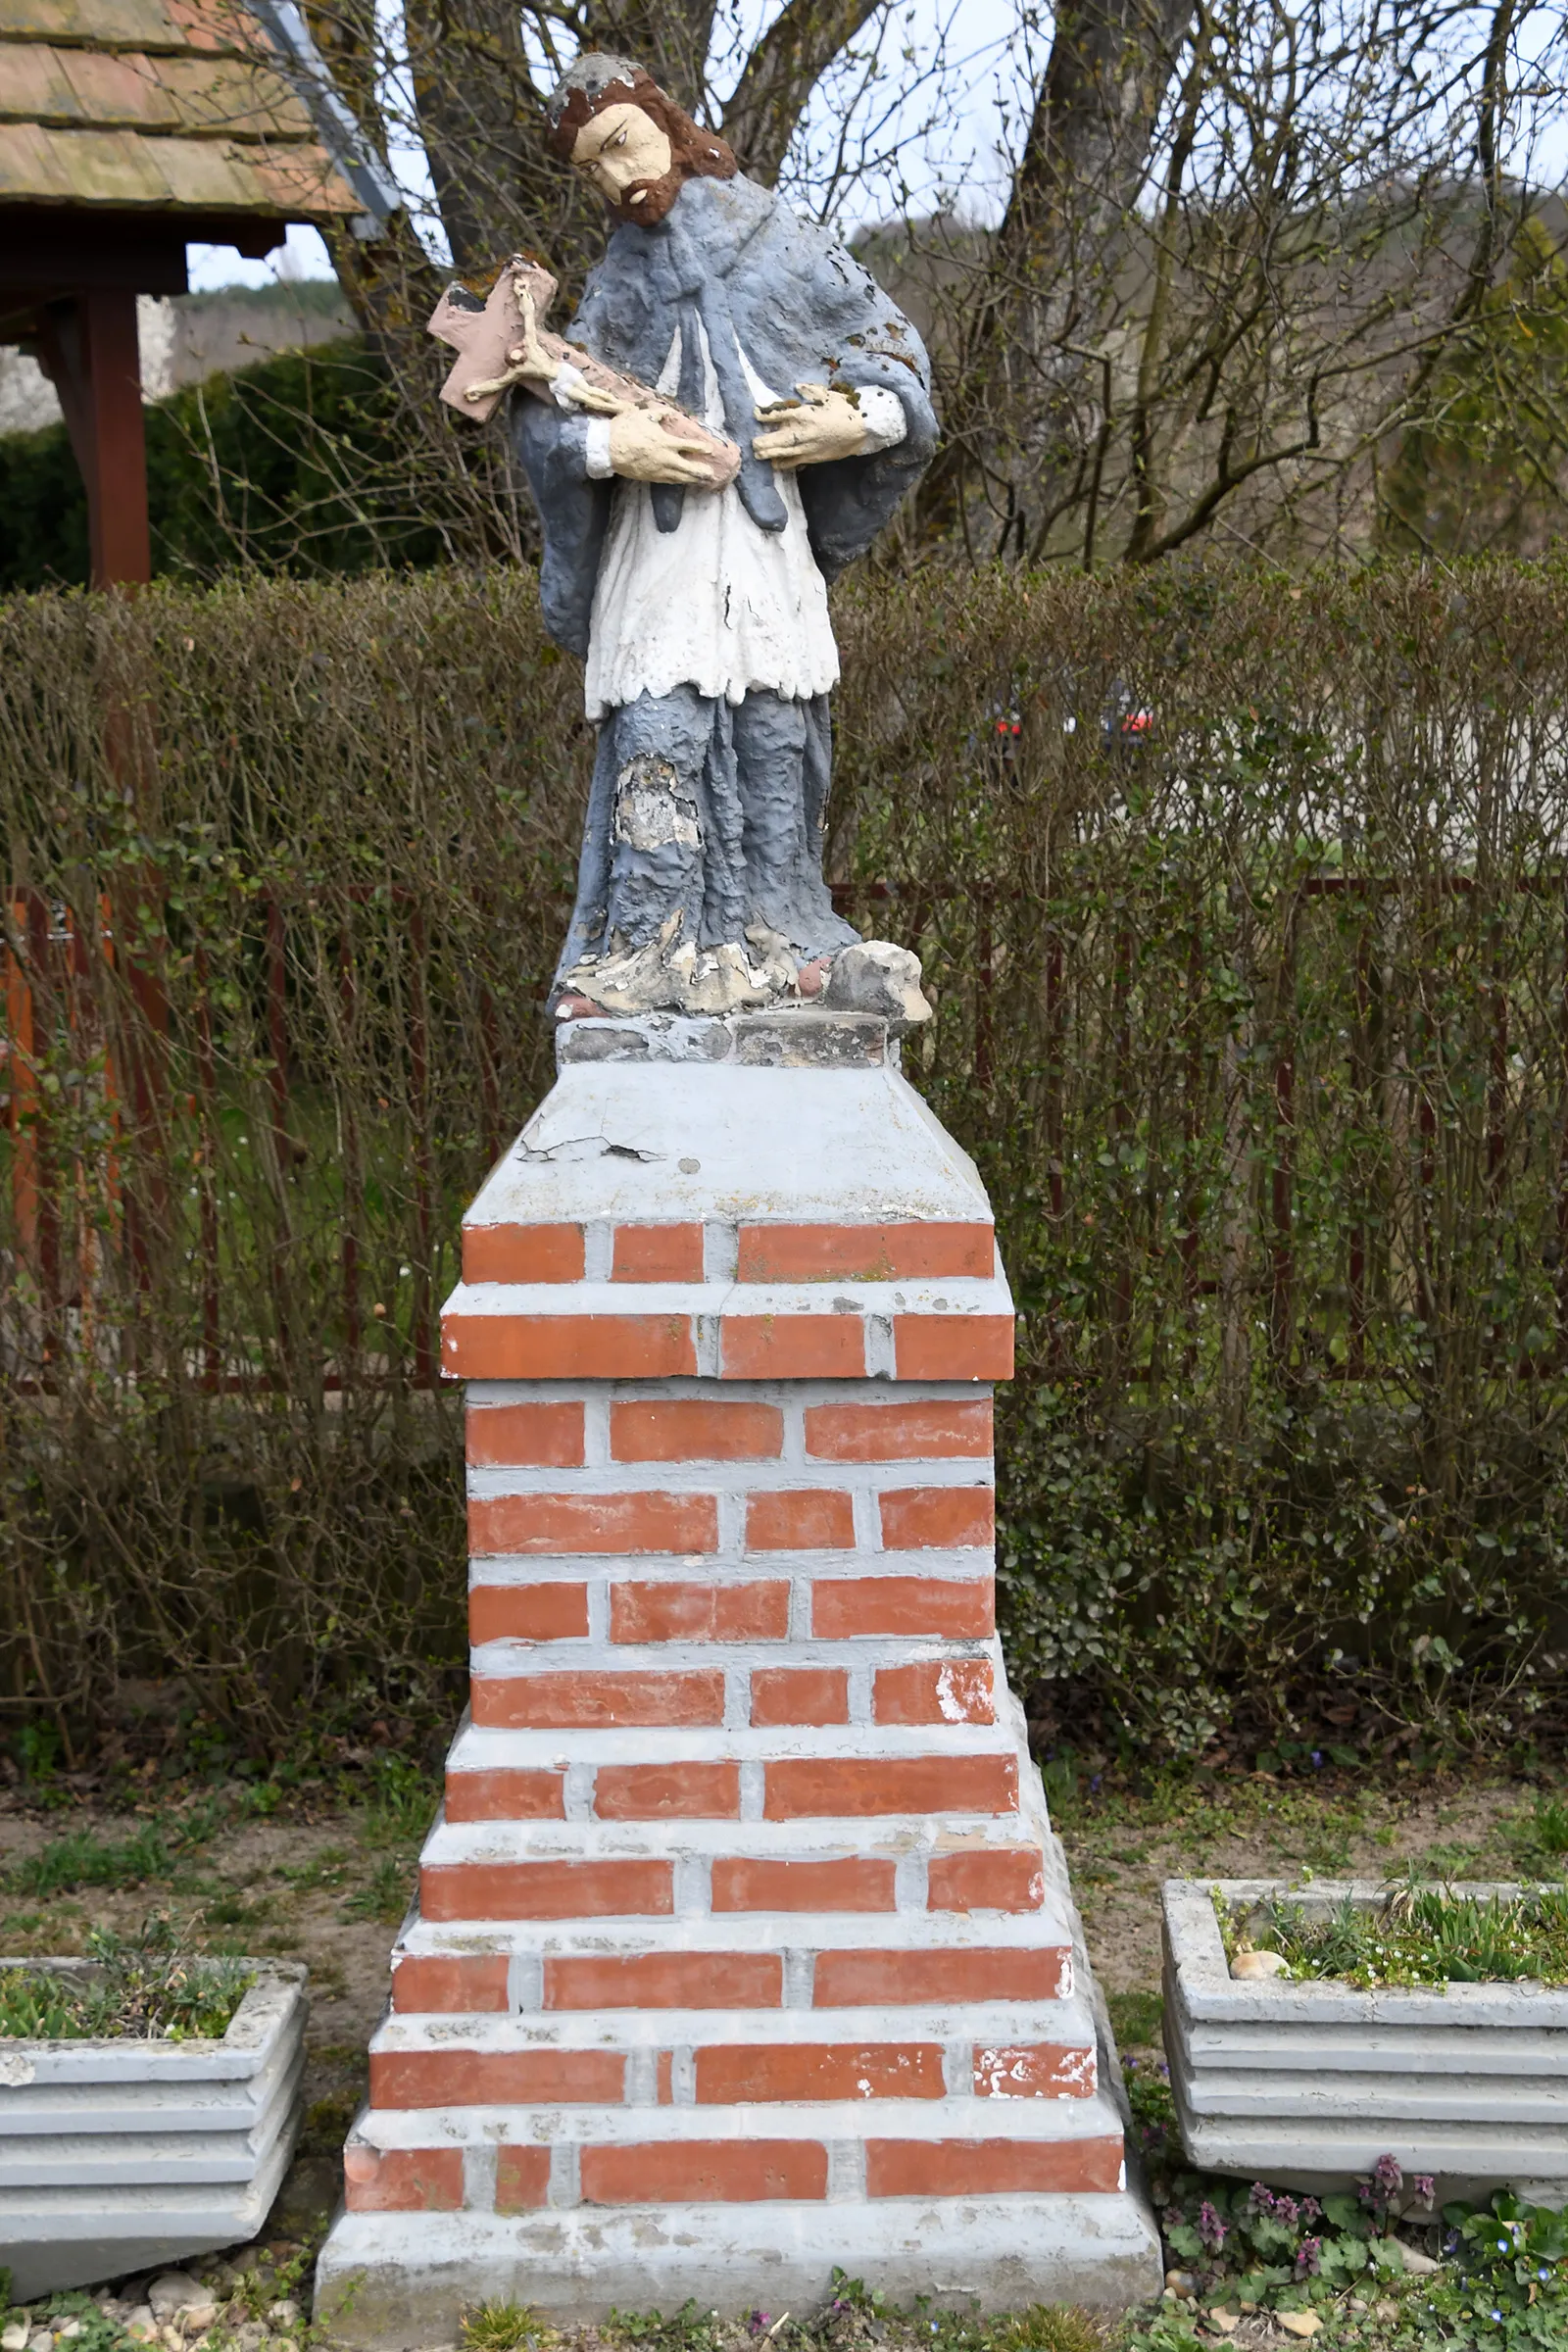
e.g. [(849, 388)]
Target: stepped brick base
[(743, 1948)]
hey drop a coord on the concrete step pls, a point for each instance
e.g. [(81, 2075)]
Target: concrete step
[(998, 2251)]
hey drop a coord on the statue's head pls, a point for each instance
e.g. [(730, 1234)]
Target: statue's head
[(623, 132)]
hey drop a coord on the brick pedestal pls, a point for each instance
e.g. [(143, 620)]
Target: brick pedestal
[(743, 1948)]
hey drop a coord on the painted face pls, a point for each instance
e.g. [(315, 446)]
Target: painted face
[(622, 151)]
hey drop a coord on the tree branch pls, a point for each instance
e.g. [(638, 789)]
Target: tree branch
[(780, 75)]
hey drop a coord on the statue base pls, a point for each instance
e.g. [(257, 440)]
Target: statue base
[(744, 1950)]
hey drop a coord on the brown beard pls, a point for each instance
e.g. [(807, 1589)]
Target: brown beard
[(658, 195)]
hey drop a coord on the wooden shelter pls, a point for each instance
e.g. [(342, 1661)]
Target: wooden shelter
[(129, 128)]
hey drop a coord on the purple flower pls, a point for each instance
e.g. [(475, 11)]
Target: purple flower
[(1311, 2210), (1389, 2179), (1425, 2189), (758, 2323), (1094, 1784), (1309, 2258), (1210, 2229), (1287, 2210), (1367, 2191), (1317, 1755), (1259, 2199)]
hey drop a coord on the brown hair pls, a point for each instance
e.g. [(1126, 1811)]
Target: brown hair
[(597, 83)]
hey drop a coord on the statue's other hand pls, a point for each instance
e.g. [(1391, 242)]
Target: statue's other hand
[(642, 451), (812, 431)]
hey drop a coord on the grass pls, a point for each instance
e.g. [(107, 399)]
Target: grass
[(151, 1852), (502, 2328), (385, 1896), (144, 1992), (79, 1859), (1136, 2019), (1416, 1936)]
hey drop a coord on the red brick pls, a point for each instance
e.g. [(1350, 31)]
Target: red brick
[(852, 1979), (743, 1883), (506, 1794), (935, 1430), (402, 2180), (566, 1347), (690, 2171), (1000, 1879), (596, 1701), (953, 1608), (706, 1613), (667, 1980), (657, 1253), (597, 1523), (452, 1891), (667, 1792), (804, 1519), (793, 1347), (992, 2168), (863, 1253), (525, 1436), (783, 1694), (826, 1786), (542, 1612), (522, 1253), (922, 1518), (522, 2178), (1034, 2070), (953, 1347), (939, 1691), (433, 1987), (733, 2074), (455, 2077), (691, 1430), (665, 2073)]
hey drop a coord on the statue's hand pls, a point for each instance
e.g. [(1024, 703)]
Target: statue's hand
[(820, 427), (641, 451)]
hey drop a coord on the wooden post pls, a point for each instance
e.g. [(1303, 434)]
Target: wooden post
[(89, 347)]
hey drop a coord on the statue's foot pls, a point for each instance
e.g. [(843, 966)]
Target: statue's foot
[(669, 974)]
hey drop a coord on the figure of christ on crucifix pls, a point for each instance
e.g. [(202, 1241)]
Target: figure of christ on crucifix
[(698, 595)]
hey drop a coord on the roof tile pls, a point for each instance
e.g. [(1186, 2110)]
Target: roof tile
[(154, 103), (110, 24), (39, 165), (230, 97)]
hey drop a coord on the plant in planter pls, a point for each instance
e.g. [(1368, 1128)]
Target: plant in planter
[(1415, 1935), (149, 2104), (141, 1992), (1310, 2030)]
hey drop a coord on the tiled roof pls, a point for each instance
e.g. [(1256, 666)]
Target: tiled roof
[(154, 105)]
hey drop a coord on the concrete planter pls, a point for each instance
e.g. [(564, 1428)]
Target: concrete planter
[(116, 2155), (1305, 2084)]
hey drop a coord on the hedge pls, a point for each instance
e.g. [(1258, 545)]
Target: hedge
[(1245, 904), (283, 465)]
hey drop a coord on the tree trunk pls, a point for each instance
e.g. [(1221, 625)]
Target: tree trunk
[(1028, 354)]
